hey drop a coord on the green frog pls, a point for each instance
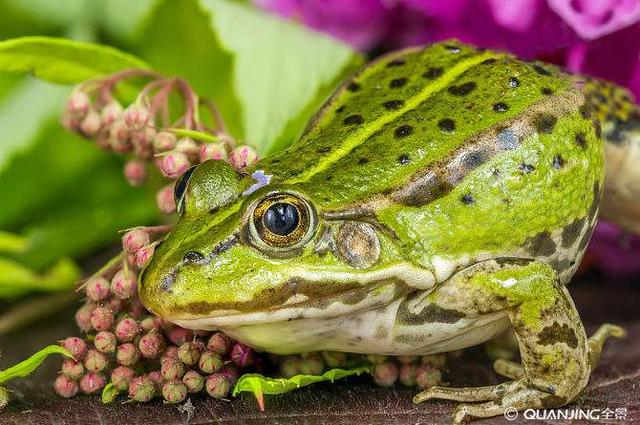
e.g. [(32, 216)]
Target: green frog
[(440, 196)]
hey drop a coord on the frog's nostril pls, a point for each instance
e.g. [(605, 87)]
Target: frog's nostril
[(193, 257)]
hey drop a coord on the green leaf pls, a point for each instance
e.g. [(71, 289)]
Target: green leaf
[(279, 69), (63, 61), (177, 39), (26, 367), (12, 243), (109, 393), (16, 279), (22, 119), (260, 385)]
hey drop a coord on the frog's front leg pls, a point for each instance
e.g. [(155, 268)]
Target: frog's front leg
[(555, 352)]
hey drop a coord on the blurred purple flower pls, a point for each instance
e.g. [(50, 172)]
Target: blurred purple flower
[(597, 37)]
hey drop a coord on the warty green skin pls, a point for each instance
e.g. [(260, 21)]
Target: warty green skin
[(428, 171)]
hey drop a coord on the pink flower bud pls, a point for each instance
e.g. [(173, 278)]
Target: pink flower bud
[(76, 346), (116, 305), (103, 140), (243, 156), (174, 391), (143, 143), (428, 376), (97, 288), (127, 329), (127, 354), (179, 336), (174, 163), (408, 375), (135, 239), (150, 322), (165, 201), (436, 360), (111, 113), (172, 369), (70, 122), (72, 369), (136, 117), (385, 374), (123, 282), (135, 171), (231, 372), (91, 383), (157, 380), (91, 124), (189, 147), (334, 358), (209, 362), (141, 389), (219, 343), (215, 151), (218, 385), (121, 377), (143, 255), (242, 355), (105, 342), (193, 381), (312, 364), (164, 141), (151, 345), (65, 386), (119, 137), (95, 361), (78, 103), (170, 353), (102, 318), (83, 317), (407, 359), (188, 353)]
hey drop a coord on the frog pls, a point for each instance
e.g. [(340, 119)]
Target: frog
[(442, 195)]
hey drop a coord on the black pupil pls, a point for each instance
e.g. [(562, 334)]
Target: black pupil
[(281, 219)]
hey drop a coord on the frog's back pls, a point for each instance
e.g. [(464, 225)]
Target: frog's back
[(411, 110)]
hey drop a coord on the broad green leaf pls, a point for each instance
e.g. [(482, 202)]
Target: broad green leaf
[(123, 18), (109, 393), (177, 39), (26, 367), (279, 69), (10, 242), (260, 385), (21, 118), (16, 279), (63, 61)]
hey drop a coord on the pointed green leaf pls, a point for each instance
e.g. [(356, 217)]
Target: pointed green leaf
[(12, 243), (26, 367), (280, 68), (16, 279), (63, 61), (109, 393), (259, 384)]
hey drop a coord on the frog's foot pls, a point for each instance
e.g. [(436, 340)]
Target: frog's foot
[(556, 356)]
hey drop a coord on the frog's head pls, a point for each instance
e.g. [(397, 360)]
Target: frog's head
[(246, 251)]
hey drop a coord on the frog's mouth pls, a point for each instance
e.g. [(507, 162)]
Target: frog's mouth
[(363, 295)]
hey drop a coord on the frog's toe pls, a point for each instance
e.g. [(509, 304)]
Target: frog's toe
[(508, 369)]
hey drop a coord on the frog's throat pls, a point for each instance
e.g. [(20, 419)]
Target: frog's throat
[(377, 288)]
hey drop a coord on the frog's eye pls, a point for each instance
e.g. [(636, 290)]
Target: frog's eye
[(181, 187), (282, 221)]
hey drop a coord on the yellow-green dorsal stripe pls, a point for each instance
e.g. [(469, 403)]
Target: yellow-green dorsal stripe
[(370, 128)]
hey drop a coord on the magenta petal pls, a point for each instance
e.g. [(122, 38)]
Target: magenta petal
[(592, 19), (514, 15)]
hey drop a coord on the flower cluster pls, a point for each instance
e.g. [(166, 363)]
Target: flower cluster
[(138, 353), (149, 131)]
